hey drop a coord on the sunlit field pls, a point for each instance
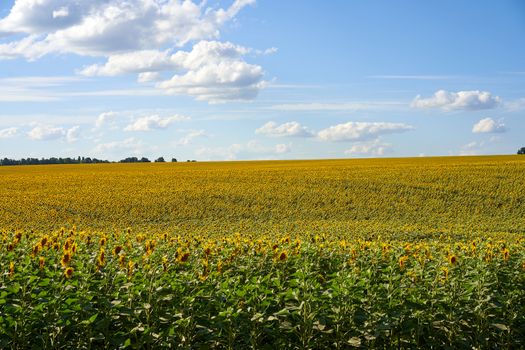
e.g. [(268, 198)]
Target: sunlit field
[(381, 253)]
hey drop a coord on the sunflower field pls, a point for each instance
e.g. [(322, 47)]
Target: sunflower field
[(376, 253)]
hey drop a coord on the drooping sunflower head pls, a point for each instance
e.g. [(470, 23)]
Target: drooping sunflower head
[(506, 254), (11, 269), (452, 259), (402, 261), (66, 258), (117, 250), (68, 272), (283, 256)]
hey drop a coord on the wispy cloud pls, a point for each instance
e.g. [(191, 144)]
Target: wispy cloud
[(413, 77), (350, 106), (190, 136), (8, 133)]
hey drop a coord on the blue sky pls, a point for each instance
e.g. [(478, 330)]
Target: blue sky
[(246, 79)]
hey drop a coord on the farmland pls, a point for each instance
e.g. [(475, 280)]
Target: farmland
[(382, 253)]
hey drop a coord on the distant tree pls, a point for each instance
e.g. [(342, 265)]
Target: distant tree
[(144, 160), (174, 160), (521, 150), (160, 160), (52, 160)]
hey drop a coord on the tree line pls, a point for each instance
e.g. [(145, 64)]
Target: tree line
[(79, 160), (52, 160)]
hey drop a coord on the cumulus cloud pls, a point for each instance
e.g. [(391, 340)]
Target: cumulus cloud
[(357, 131), (148, 77), (103, 118), (212, 71), (488, 125), (48, 132), (461, 100), (153, 122), (104, 27), (287, 129), (372, 148), (72, 134), (8, 133), (142, 37)]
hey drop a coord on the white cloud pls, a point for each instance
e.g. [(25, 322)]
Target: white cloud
[(352, 106), (33, 88), (287, 129), (140, 37), (488, 125), (48, 132), (72, 134), (372, 148), (516, 105), (104, 27), (282, 148), (212, 71), (357, 131), (103, 118), (190, 136), (131, 62), (131, 144), (61, 12), (461, 100), (471, 149), (153, 122), (8, 133), (148, 77), (249, 150), (413, 77), (45, 132)]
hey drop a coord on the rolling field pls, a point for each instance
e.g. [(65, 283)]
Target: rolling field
[(381, 253)]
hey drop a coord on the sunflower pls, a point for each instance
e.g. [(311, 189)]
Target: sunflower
[(101, 260), (131, 266), (68, 272), (117, 250), (11, 269), (452, 259), (506, 254), (283, 256), (402, 261), (41, 262), (66, 258), (445, 272), (122, 260)]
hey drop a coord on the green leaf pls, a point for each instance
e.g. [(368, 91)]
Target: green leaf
[(500, 326), (355, 342)]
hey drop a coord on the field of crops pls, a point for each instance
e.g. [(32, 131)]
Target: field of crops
[(378, 253)]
